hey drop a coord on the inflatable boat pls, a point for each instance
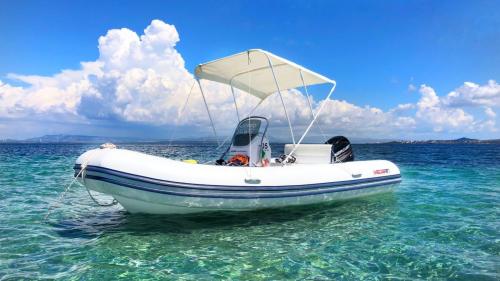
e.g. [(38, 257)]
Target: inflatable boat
[(246, 176)]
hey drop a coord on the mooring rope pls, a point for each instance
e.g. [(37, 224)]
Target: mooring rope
[(51, 206), (81, 173), (112, 203)]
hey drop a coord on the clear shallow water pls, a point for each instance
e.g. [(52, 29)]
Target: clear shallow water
[(441, 223)]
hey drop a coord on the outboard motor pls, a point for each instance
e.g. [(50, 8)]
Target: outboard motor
[(341, 149)]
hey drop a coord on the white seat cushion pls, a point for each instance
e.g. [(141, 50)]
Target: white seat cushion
[(311, 153)]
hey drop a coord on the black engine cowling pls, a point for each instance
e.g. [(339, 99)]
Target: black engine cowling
[(341, 149)]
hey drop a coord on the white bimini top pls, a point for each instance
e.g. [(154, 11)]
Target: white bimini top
[(250, 71)]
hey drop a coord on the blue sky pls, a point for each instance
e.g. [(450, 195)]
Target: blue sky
[(381, 53)]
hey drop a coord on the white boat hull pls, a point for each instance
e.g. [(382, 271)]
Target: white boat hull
[(143, 183)]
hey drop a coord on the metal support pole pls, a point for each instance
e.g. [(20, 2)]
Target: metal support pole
[(281, 97), (310, 124), (172, 131), (255, 108), (310, 105), (208, 111), (235, 104)]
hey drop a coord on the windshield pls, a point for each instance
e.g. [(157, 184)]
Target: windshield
[(247, 130)]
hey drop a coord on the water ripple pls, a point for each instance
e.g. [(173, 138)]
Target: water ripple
[(441, 223)]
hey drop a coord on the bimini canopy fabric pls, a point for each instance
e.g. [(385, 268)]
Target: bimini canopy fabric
[(250, 71)]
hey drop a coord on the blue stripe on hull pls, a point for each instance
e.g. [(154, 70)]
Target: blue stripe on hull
[(205, 187), (263, 195)]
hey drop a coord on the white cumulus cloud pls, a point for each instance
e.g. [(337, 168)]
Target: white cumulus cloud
[(442, 115), (471, 94), (489, 112), (142, 79)]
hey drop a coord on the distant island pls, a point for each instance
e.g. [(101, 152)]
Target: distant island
[(456, 141), (77, 139), (61, 138)]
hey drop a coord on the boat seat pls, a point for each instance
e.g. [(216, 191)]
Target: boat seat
[(251, 146), (249, 140), (310, 153)]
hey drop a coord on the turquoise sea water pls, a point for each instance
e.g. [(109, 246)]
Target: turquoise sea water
[(442, 222)]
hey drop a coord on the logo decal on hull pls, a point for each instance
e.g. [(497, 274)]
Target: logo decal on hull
[(381, 171)]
